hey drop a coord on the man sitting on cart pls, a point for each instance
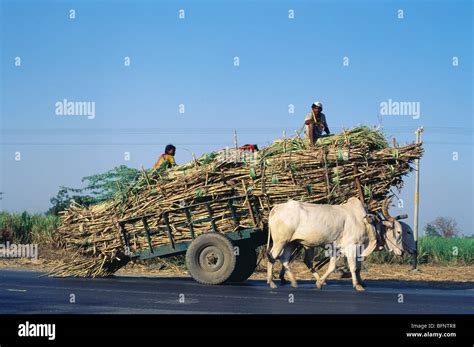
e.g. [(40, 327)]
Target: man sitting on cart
[(166, 160), (315, 123)]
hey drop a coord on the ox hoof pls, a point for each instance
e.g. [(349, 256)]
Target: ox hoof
[(319, 286), (282, 281), (359, 288), (272, 285), (294, 285)]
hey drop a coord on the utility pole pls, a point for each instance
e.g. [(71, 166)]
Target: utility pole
[(235, 139), (416, 202)]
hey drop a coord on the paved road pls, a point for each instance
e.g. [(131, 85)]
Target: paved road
[(28, 292)]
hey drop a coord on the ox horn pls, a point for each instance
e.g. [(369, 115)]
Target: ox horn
[(385, 205)]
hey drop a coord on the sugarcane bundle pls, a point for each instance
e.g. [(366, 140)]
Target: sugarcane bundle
[(288, 168)]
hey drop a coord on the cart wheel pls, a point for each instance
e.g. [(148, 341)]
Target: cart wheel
[(246, 263), (210, 258)]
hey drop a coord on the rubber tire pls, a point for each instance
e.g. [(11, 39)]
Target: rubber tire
[(214, 243), (246, 263)]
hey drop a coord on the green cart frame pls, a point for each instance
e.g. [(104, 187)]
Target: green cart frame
[(213, 257)]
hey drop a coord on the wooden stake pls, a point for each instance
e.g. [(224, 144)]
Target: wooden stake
[(358, 185), (249, 205), (416, 202)]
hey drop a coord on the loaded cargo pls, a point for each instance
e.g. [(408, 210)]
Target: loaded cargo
[(228, 193)]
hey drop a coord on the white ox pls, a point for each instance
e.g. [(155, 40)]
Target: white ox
[(347, 229)]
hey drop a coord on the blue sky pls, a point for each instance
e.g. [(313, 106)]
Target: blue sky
[(191, 61)]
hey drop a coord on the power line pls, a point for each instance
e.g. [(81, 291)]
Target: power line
[(224, 130), (165, 143)]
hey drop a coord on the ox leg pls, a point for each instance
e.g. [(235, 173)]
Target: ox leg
[(282, 275), (270, 273), (293, 249), (331, 268), (272, 256), (308, 261), (290, 247), (285, 260), (352, 261), (358, 268)]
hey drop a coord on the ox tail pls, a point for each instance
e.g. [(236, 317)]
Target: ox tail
[(269, 255)]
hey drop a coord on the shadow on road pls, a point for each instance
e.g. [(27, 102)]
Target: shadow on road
[(339, 282)]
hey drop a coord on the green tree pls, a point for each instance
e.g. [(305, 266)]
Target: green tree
[(98, 188), (104, 186), (64, 198)]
